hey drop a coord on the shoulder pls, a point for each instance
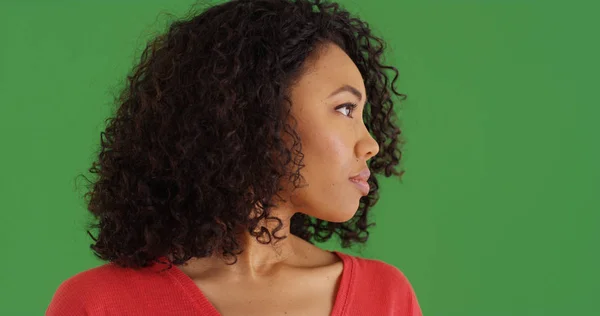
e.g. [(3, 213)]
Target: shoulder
[(76, 293), (378, 284), (96, 286), (94, 279), (375, 270)]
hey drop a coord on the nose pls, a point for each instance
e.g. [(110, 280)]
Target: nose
[(367, 145)]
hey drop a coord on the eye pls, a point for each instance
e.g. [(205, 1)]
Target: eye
[(347, 106)]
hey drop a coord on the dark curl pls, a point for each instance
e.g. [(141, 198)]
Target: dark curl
[(197, 141)]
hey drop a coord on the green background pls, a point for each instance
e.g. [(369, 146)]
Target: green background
[(498, 211)]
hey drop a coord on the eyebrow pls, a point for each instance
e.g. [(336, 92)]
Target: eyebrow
[(347, 88)]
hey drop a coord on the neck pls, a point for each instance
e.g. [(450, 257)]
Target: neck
[(258, 260)]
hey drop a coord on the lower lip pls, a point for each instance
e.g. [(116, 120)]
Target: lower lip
[(363, 186)]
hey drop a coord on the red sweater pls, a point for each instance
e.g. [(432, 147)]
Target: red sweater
[(367, 287)]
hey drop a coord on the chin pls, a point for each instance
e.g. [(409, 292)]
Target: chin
[(332, 210), (338, 216)]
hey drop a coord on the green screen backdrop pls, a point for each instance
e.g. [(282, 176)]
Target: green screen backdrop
[(498, 212)]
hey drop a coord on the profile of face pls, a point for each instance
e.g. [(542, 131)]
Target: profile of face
[(335, 141)]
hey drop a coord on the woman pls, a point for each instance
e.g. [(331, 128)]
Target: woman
[(244, 135)]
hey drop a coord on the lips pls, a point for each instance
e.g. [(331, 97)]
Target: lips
[(360, 180), (363, 186), (363, 175)]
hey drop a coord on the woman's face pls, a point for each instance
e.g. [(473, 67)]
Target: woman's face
[(335, 141)]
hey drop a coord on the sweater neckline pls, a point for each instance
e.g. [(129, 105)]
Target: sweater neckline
[(201, 301)]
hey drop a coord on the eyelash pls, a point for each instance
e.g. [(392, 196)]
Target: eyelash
[(350, 106)]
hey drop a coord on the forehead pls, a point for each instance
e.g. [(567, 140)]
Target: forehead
[(329, 69)]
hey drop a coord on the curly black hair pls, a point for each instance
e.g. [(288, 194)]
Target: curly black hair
[(196, 142)]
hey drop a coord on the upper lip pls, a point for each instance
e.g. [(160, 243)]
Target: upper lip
[(363, 175)]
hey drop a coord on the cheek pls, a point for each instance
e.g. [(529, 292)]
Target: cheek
[(330, 195), (333, 151), (326, 158)]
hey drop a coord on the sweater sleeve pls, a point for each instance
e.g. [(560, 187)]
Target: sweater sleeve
[(414, 309), (383, 289), (67, 300), (407, 303)]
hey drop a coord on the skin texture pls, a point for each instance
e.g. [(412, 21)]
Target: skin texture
[(336, 142), (336, 145)]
